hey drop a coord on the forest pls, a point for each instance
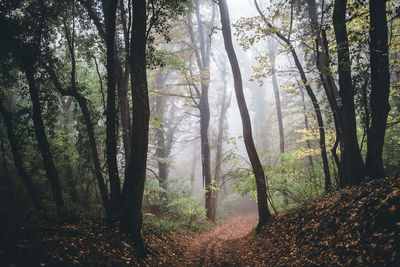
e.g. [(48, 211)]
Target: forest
[(200, 133)]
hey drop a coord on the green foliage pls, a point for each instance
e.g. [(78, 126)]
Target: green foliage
[(226, 208), (189, 211)]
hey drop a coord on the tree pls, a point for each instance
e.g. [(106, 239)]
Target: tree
[(33, 191), (380, 87), (311, 94), (203, 55), (109, 10), (224, 105), (26, 51), (353, 166), (263, 211), (132, 194)]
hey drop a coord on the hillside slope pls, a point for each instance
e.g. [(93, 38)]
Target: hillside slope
[(356, 226)]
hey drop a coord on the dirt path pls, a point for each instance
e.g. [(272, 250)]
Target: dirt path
[(204, 251)]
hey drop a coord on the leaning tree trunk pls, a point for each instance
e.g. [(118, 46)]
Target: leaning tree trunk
[(109, 9), (353, 166), (380, 87), (312, 96), (51, 172), (132, 194), (33, 191), (263, 211)]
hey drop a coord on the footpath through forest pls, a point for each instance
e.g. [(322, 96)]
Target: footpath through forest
[(357, 226), (205, 249)]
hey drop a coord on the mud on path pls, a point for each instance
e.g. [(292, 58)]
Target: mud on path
[(204, 250)]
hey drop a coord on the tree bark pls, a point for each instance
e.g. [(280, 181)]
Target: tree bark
[(132, 194), (380, 87), (109, 10), (353, 166), (263, 211)]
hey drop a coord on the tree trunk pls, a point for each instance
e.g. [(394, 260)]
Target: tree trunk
[(328, 83), (68, 171), (51, 172), (34, 193), (203, 63), (132, 195), (82, 102), (279, 115), (161, 153), (224, 103), (277, 100), (380, 85), (353, 166), (109, 10), (263, 211)]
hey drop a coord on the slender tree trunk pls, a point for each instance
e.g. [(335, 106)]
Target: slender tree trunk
[(51, 172), (380, 85), (328, 83), (308, 144), (161, 152), (263, 211), (224, 103), (279, 115), (203, 55), (353, 166), (313, 98), (132, 195), (109, 10), (82, 103), (277, 100), (68, 171), (34, 192)]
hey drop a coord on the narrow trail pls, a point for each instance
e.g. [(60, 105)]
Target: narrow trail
[(204, 251)]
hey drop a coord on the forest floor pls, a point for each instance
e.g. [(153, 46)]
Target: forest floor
[(356, 226)]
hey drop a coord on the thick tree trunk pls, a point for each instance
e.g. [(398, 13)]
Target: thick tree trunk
[(51, 172), (34, 193), (263, 211), (109, 10), (132, 195), (353, 166), (380, 85)]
